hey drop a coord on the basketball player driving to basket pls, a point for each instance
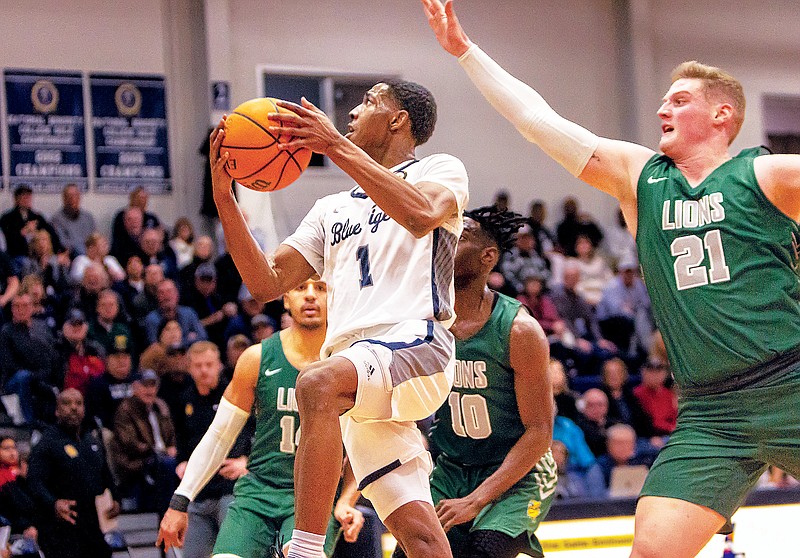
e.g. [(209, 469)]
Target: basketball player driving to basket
[(385, 248)]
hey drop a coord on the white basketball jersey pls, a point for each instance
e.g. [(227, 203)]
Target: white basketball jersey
[(377, 272)]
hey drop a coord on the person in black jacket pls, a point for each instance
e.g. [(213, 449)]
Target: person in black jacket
[(199, 402), (16, 504), (67, 471)]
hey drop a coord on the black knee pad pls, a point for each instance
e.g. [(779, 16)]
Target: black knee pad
[(493, 544)]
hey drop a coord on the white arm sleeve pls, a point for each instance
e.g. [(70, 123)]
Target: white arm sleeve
[(567, 143), (213, 448)]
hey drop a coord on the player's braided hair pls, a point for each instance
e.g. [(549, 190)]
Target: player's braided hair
[(500, 226)]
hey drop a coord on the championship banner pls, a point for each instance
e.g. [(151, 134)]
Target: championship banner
[(129, 120), (46, 130)]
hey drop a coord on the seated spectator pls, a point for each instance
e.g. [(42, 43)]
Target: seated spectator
[(621, 450), (168, 358), (623, 406), (145, 446), (132, 284), (545, 242), (262, 327), (575, 224), (237, 344), (203, 298), (152, 250), (619, 242), (9, 285), (44, 306), (229, 281), (501, 200), (72, 223), (595, 273), (593, 419), (541, 307), (523, 260), (565, 398), (107, 391), (199, 402), (581, 458), (42, 261), (624, 312), (138, 198), (109, 327), (68, 470), (582, 343), (573, 484), (182, 242), (28, 362), (146, 300), (203, 253), (95, 280), (125, 239), (16, 503), (169, 309), (81, 359), (21, 222), (96, 252), (660, 404), (249, 307), (498, 282)]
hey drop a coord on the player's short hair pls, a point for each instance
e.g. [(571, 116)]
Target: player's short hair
[(718, 85), (420, 105), (499, 226)]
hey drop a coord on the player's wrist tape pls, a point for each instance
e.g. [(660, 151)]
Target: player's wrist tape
[(179, 503)]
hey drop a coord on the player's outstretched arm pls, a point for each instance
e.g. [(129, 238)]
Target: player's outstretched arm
[(266, 277), (609, 165), (530, 354), (419, 208), (779, 178), (210, 453)]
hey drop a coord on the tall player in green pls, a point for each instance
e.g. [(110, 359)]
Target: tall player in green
[(495, 477), (719, 244), (264, 382)]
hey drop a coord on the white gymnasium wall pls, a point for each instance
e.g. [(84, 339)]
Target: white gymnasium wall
[(567, 49), (534, 40)]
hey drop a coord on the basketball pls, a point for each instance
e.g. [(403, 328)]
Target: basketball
[(255, 161)]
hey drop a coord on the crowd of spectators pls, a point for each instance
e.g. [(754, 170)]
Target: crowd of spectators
[(117, 347)]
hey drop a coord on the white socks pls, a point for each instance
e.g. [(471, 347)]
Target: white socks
[(306, 545)]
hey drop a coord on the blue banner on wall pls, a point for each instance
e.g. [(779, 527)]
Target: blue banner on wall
[(129, 120), (46, 130)]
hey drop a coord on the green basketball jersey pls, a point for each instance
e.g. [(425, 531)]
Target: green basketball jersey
[(722, 268), (277, 421), (479, 422)]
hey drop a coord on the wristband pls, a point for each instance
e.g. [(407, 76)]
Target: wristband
[(179, 503)]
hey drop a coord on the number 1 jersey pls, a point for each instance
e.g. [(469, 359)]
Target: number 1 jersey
[(378, 273)]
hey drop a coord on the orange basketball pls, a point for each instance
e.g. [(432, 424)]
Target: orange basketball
[(254, 158)]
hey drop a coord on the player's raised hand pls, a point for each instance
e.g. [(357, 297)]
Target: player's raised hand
[(445, 25), (220, 179), (172, 530), (308, 126)]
